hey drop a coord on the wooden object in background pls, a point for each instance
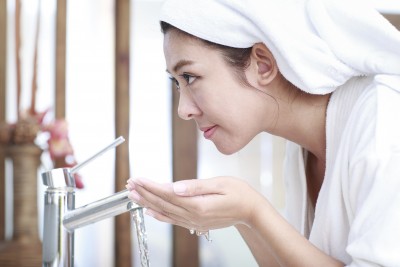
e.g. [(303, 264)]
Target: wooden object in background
[(3, 63), (61, 43), (2, 194), (123, 252), (184, 143), (60, 64), (25, 248), (3, 58), (17, 47), (394, 19)]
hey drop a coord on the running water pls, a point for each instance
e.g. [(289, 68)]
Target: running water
[(138, 220)]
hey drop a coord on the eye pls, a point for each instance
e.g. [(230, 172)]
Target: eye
[(176, 82), (188, 78)]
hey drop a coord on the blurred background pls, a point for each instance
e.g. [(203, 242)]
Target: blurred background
[(90, 112)]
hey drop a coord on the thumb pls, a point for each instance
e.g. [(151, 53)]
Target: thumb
[(193, 187)]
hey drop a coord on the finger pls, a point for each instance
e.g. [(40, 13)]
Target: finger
[(129, 187), (164, 191), (182, 212), (194, 209), (193, 187), (130, 184), (163, 218), (161, 214), (149, 200), (149, 185), (153, 191), (197, 187)]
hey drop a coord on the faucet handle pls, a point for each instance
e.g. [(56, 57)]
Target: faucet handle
[(64, 177), (61, 177), (114, 144)]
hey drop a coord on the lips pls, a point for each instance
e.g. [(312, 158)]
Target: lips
[(208, 131)]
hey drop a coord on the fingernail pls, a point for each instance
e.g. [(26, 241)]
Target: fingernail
[(179, 188), (129, 187), (134, 196)]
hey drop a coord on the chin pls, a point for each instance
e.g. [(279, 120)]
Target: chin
[(227, 150)]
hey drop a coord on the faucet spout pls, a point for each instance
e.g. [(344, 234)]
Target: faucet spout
[(61, 218), (96, 211)]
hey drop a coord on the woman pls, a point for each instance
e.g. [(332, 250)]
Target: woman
[(307, 71)]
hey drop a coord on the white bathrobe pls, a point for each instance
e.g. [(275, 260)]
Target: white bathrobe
[(357, 216)]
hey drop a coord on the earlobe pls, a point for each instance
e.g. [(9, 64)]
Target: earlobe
[(266, 64)]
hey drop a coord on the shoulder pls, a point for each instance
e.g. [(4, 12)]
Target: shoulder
[(364, 127), (369, 148), (372, 143), (374, 121)]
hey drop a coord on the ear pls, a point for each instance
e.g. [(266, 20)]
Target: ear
[(265, 63)]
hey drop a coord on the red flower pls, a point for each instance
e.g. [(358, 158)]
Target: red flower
[(59, 148), (57, 129)]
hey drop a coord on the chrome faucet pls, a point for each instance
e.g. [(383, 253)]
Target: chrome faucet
[(61, 218)]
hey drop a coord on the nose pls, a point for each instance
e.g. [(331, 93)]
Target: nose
[(187, 108)]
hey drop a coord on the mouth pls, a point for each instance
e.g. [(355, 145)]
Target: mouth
[(208, 131)]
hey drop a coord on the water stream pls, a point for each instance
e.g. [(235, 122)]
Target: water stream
[(138, 220)]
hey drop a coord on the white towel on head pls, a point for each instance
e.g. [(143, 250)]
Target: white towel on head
[(318, 44)]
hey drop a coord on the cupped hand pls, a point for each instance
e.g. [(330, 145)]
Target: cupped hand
[(200, 204)]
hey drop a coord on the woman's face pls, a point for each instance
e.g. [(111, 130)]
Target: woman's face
[(228, 113)]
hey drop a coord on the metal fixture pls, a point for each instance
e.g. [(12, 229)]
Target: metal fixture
[(61, 218)]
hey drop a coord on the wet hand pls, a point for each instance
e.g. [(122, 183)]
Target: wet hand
[(197, 204)]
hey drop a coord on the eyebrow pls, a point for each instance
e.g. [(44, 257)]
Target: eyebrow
[(180, 64)]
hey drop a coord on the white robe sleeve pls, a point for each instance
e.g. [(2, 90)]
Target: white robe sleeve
[(374, 182)]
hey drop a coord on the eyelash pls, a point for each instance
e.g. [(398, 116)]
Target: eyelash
[(186, 77), (176, 82)]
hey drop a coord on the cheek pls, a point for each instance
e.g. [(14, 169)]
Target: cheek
[(208, 99), (227, 103)]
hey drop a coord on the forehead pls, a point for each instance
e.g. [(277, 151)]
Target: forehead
[(175, 38), (180, 47)]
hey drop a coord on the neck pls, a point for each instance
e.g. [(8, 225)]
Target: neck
[(302, 119)]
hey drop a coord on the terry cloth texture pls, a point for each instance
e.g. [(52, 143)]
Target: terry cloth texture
[(318, 44), (357, 215)]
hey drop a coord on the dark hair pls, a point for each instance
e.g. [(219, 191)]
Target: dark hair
[(238, 58)]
